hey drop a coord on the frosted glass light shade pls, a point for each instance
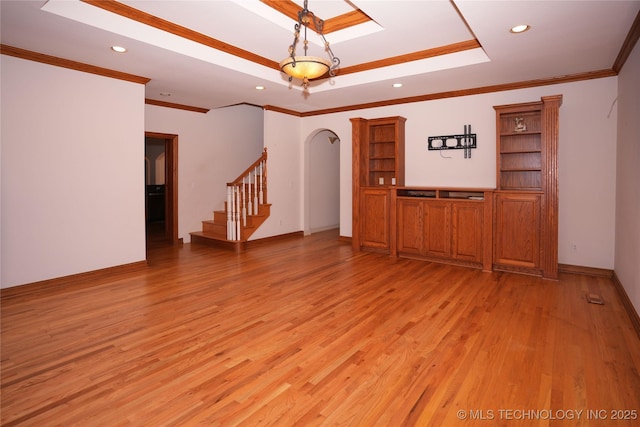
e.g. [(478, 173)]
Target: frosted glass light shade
[(310, 67)]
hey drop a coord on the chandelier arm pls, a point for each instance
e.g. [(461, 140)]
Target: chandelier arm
[(334, 59), (317, 23), (310, 67), (292, 47)]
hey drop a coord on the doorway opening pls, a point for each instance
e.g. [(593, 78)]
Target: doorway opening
[(322, 182), (161, 188)]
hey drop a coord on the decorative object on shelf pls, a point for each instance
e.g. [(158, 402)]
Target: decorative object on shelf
[(308, 67), (465, 141), (520, 126)]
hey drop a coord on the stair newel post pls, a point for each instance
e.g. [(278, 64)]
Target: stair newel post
[(232, 225), (234, 212), (244, 205)]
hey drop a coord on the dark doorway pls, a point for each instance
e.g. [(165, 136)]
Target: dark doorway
[(161, 185)]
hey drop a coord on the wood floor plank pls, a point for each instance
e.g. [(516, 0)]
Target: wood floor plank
[(306, 332)]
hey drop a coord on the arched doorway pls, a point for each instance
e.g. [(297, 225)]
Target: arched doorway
[(322, 182)]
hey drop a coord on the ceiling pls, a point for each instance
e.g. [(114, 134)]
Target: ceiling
[(211, 54)]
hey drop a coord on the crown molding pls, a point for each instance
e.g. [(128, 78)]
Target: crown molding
[(471, 91), (150, 101), (73, 65), (628, 45)]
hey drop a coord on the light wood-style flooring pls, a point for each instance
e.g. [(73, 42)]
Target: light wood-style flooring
[(306, 332)]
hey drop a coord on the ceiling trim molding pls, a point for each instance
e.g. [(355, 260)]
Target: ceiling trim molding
[(150, 101), (288, 8), (467, 92), (337, 23), (178, 30), (282, 110), (73, 65), (409, 57), (628, 45)]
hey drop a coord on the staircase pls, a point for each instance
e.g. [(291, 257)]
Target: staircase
[(245, 209)]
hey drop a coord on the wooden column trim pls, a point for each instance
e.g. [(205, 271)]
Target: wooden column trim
[(358, 132), (550, 133), (393, 222), (487, 233)]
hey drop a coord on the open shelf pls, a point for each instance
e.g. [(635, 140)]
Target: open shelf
[(519, 162), (449, 193)]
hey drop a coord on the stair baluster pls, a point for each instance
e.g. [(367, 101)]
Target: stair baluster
[(255, 190), (249, 197), (244, 204)]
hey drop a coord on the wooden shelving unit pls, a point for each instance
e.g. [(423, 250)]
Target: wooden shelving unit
[(526, 197), (378, 165), (520, 152), (512, 228), (386, 152)]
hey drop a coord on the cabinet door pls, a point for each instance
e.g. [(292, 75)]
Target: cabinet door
[(437, 229), (517, 231), (467, 231), (374, 218), (410, 227)]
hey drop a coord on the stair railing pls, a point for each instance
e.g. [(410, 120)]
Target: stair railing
[(244, 196)]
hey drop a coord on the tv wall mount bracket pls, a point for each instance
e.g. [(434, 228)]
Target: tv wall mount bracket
[(465, 141)]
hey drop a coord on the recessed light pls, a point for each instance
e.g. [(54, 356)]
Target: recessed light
[(259, 87), (519, 28), (118, 49), (397, 85)]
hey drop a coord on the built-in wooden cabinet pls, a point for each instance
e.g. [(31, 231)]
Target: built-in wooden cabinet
[(375, 208), (410, 228), (512, 228), (526, 197), (446, 225), (467, 243), (378, 165), (517, 245), (437, 228)]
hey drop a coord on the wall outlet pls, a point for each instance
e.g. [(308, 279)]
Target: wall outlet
[(574, 247)]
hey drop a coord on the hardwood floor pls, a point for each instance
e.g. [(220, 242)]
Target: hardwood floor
[(305, 332)]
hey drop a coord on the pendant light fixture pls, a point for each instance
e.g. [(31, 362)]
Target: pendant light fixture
[(307, 67)]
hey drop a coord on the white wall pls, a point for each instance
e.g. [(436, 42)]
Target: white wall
[(213, 149), (587, 153), (627, 265), (72, 172), (284, 169)]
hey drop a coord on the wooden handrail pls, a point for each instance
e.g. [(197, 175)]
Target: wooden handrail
[(238, 180)]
